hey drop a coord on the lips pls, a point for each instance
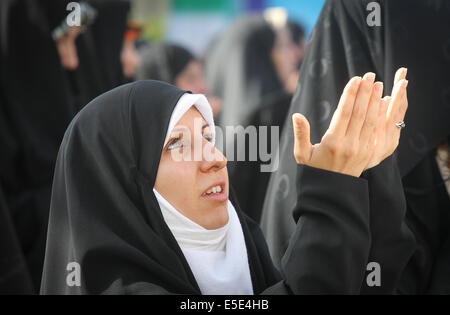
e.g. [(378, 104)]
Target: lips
[(215, 192)]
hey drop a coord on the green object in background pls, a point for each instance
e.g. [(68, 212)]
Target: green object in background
[(154, 29), (202, 5)]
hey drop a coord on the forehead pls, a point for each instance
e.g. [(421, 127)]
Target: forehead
[(190, 116)]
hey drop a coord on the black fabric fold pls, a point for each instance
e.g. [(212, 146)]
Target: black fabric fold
[(393, 243)]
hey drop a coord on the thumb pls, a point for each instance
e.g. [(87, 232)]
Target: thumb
[(302, 142)]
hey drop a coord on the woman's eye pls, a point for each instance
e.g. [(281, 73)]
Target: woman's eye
[(174, 144)]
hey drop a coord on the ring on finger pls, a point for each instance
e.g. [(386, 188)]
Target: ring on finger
[(401, 124)]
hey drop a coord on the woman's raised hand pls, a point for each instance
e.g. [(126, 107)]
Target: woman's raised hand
[(360, 135)]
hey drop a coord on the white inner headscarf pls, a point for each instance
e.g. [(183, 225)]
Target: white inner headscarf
[(218, 258), (184, 103)]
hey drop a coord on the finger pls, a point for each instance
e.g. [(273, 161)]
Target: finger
[(385, 101), (398, 97), (400, 75), (372, 140), (361, 104), (381, 122), (342, 115), (368, 130), (302, 142), (403, 103), (393, 116)]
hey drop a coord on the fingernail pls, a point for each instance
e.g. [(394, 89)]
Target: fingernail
[(379, 87), (405, 84), (370, 77)]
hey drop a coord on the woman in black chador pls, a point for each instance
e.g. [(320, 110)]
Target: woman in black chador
[(166, 62), (352, 37), (141, 201)]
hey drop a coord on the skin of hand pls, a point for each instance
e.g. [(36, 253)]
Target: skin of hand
[(354, 141), (67, 49), (394, 107)]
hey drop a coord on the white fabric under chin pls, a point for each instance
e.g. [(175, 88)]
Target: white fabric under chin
[(190, 234)]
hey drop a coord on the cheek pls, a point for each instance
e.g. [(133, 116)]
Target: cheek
[(176, 181), (225, 174)]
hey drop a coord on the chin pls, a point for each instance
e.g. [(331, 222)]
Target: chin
[(220, 218)]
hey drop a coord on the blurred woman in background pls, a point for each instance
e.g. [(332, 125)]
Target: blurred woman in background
[(248, 68), (175, 65)]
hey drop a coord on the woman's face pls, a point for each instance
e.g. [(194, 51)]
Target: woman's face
[(191, 78), (192, 174), (283, 55)]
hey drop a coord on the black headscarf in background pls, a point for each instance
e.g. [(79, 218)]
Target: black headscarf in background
[(297, 35), (297, 32), (99, 49), (240, 71), (104, 214), (413, 34), (163, 62), (34, 113)]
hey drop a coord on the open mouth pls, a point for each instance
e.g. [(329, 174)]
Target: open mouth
[(216, 192)]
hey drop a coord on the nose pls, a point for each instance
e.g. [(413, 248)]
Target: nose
[(213, 160)]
